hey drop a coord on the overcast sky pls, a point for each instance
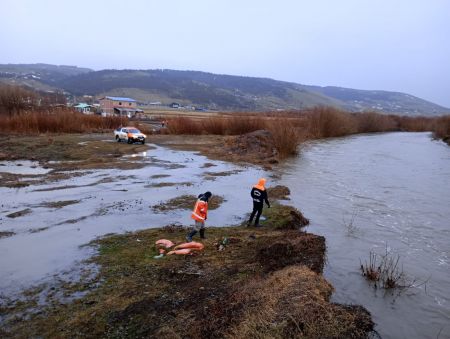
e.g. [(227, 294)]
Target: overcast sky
[(399, 45)]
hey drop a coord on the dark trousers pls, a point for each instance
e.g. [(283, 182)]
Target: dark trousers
[(257, 209)]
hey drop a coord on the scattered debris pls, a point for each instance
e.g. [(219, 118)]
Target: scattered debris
[(208, 165), (6, 234)]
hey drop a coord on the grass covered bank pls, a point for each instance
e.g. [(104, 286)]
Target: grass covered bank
[(265, 283)]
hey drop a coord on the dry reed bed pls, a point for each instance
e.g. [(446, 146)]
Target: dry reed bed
[(57, 121), (289, 129)]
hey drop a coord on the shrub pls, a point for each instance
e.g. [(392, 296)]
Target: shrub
[(286, 137), (370, 122), (214, 125), (326, 122), (183, 125), (242, 124)]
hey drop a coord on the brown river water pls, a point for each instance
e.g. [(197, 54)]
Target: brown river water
[(398, 187)]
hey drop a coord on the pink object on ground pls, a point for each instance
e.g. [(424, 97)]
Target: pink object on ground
[(182, 251), (164, 242), (196, 246)]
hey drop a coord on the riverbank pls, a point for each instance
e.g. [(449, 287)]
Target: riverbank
[(262, 281)]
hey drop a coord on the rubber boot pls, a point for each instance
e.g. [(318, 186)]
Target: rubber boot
[(190, 235), (202, 233)]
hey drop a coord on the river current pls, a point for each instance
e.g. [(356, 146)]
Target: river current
[(396, 187)]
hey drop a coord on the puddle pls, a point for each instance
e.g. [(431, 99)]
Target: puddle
[(76, 210), (23, 167)]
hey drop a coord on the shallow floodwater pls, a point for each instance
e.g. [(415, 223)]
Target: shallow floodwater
[(398, 186), (47, 240)]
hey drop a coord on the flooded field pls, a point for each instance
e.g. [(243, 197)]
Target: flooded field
[(393, 186), (44, 225), (397, 188)]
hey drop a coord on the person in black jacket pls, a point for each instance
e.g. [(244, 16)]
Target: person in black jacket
[(259, 196)]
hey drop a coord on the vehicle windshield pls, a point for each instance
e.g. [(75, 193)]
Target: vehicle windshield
[(133, 130)]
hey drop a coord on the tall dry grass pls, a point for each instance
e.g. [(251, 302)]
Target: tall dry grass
[(183, 125), (291, 128), (327, 122), (242, 125), (371, 122), (441, 128), (286, 136), (57, 121), (214, 125), (288, 128)]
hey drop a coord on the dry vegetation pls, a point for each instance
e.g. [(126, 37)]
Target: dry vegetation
[(57, 121), (289, 129), (386, 271)]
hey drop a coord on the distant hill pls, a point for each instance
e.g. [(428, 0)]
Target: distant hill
[(212, 91), (38, 76), (385, 101)]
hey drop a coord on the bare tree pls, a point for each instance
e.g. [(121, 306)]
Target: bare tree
[(15, 99)]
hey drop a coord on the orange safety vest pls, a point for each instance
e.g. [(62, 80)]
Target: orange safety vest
[(200, 212)]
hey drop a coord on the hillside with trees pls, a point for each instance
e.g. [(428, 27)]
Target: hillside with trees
[(212, 91)]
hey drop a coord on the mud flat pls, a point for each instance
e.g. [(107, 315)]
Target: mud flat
[(255, 148), (263, 282)]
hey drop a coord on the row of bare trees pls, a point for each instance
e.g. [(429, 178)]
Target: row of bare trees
[(16, 100)]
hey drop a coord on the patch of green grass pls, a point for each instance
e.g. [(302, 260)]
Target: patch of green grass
[(283, 217), (187, 202)]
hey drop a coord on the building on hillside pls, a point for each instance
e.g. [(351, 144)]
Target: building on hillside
[(84, 108), (119, 105)]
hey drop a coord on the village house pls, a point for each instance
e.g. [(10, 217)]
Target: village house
[(84, 108), (119, 105)]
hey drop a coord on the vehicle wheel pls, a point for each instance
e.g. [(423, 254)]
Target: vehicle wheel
[(130, 141), (117, 138), (143, 141)]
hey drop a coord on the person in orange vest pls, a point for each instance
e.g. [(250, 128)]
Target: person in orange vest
[(200, 214), (259, 196)]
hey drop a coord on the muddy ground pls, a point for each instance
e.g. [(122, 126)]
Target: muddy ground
[(62, 155), (254, 148), (263, 282), (65, 154)]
